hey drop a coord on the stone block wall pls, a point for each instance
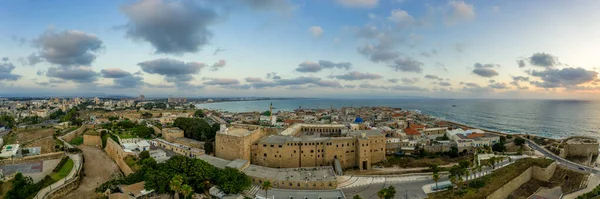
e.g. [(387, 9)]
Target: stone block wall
[(117, 153), (92, 140), (512, 185), (35, 158), (544, 174), (533, 172), (73, 134)]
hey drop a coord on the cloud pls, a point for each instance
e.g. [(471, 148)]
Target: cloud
[(67, 48), (371, 86), (330, 64), (316, 31), (460, 48), (441, 66), (313, 67), (171, 27), (566, 77), (543, 60), (485, 70), (355, 75), (40, 72), (367, 31), (159, 85), (253, 79), (521, 63), (80, 74), (407, 88), (273, 75), (309, 67), (401, 18), (349, 86), (296, 82), (359, 3), (6, 72), (407, 80), (266, 5), (407, 64), (433, 77), (20, 40), (172, 70), (432, 53), (394, 80), (218, 65), (384, 49), (114, 73), (520, 78), (31, 59), (122, 79), (222, 81), (498, 85), (445, 84), (218, 50), (458, 11), (4, 59)]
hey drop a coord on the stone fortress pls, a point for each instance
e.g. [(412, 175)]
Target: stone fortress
[(302, 145)]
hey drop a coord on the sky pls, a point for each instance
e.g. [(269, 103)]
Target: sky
[(301, 48)]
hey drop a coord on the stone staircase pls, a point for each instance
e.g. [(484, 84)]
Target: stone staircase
[(252, 190)]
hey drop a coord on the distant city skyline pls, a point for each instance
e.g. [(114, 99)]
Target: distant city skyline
[(304, 48)]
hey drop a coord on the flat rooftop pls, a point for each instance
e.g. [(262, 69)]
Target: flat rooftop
[(217, 162), (235, 131), (580, 140), (292, 130)]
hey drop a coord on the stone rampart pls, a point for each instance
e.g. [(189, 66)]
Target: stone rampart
[(117, 153)]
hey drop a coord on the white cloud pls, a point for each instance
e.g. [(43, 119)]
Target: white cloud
[(401, 18), (359, 3), (459, 11), (316, 31)]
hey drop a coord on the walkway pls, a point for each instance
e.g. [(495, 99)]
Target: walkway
[(77, 160)]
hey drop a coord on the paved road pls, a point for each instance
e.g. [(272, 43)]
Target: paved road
[(562, 161), (412, 188)]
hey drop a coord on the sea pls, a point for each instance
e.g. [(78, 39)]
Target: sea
[(547, 118)]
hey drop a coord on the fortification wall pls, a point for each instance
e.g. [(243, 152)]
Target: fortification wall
[(117, 153), (35, 158), (92, 140), (512, 185), (533, 172), (544, 174), (73, 134)]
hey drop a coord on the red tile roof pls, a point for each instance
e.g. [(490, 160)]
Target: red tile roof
[(410, 131), (475, 135), (293, 121), (416, 126)]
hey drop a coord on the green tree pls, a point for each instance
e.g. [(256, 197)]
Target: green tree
[(230, 180), (390, 192), (176, 184), (266, 113), (199, 113), (186, 190), (7, 120), (266, 185), (381, 193), (519, 141), (436, 178), (144, 155), (356, 197)]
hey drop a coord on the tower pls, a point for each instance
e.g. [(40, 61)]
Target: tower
[(271, 112)]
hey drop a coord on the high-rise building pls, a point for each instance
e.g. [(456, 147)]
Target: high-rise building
[(142, 97)]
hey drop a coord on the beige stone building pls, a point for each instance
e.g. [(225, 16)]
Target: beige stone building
[(303, 145), (170, 134)]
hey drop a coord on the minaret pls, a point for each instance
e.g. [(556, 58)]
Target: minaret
[(271, 112)]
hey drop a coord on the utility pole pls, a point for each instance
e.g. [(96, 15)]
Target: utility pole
[(405, 193)]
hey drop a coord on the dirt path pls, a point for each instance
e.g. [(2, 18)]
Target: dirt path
[(98, 168)]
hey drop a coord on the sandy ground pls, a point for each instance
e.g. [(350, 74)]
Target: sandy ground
[(98, 168), (31, 135), (47, 168), (46, 143)]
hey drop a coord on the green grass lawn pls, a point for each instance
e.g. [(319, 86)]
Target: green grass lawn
[(77, 141), (63, 172)]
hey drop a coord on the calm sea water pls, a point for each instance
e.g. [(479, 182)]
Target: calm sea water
[(548, 118)]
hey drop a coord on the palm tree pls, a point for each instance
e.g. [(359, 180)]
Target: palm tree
[(266, 185), (454, 181), (436, 178), (390, 193), (381, 193), (186, 190), (479, 169), (176, 184), (357, 197)]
